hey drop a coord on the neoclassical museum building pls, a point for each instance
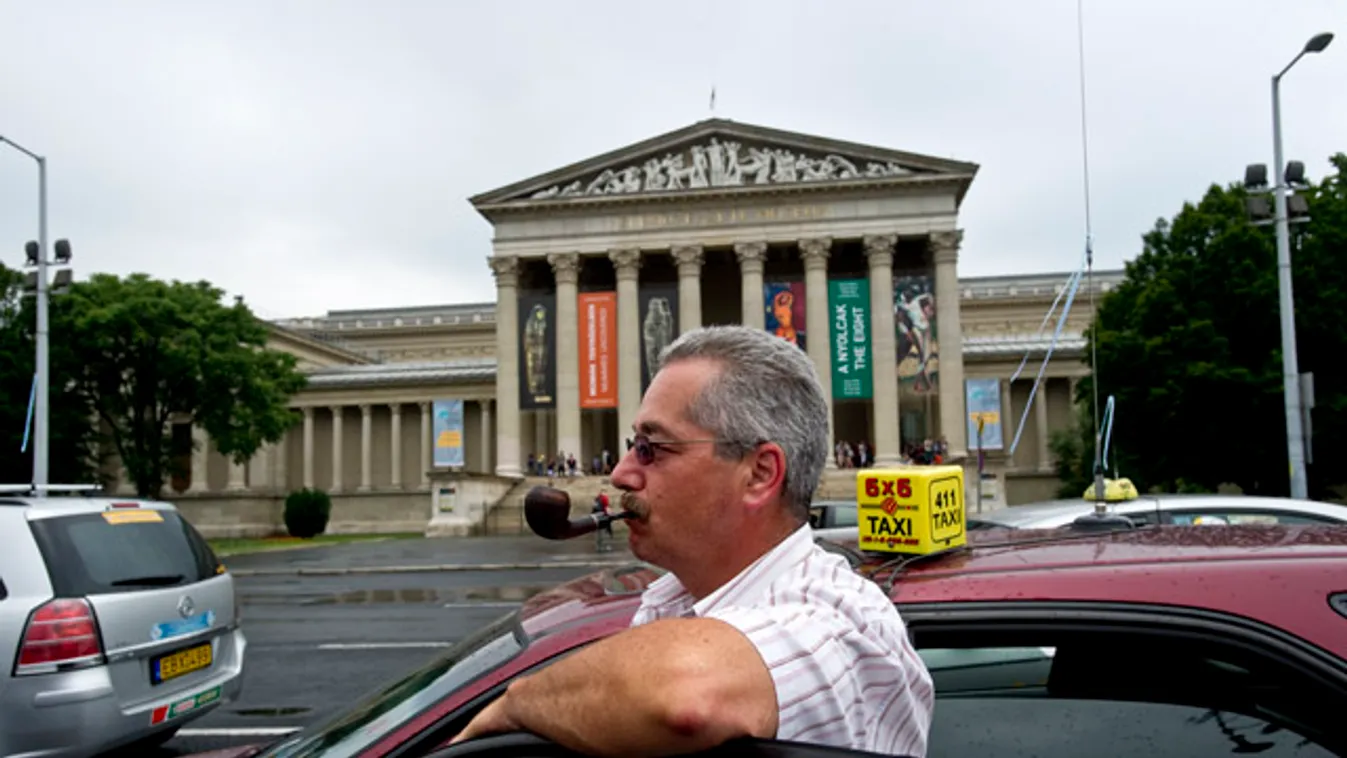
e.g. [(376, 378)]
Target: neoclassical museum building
[(849, 251)]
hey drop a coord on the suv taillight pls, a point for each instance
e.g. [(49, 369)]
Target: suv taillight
[(60, 632)]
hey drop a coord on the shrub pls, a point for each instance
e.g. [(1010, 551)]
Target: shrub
[(307, 512)]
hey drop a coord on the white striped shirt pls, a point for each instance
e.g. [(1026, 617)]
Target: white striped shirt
[(845, 672)]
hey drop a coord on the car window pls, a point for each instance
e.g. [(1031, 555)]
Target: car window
[(111, 551), (1218, 516), (1094, 697), (4, 593)]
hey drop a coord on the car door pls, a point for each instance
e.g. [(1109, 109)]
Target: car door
[(1069, 679)]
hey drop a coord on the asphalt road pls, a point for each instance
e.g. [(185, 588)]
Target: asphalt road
[(317, 644)]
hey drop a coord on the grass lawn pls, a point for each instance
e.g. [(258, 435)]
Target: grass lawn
[(231, 546)]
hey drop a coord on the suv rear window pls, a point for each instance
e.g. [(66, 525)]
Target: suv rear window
[(101, 553)]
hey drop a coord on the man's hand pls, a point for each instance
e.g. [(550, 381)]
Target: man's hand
[(493, 719), (672, 686)]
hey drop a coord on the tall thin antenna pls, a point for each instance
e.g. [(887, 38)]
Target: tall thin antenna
[(1098, 468)]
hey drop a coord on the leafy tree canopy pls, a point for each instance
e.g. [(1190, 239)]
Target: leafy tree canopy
[(1189, 345), (133, 353)]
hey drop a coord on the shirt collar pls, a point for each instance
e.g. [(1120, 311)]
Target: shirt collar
[(750, 582)]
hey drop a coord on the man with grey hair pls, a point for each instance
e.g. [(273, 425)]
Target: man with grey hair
[(756, 631)]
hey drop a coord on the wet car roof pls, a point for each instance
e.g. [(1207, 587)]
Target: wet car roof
[(1258, 571)]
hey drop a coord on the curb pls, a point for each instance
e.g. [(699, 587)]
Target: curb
[(426, 569)]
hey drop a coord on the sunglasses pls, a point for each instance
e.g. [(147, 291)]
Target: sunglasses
[(646, 448)]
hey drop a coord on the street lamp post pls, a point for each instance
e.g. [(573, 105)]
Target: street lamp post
[(40, 418), (1295, 442)]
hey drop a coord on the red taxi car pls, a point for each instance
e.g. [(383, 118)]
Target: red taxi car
[(1158, 641)]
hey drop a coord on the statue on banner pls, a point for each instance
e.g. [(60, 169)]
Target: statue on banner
[(535, 351), (658, 331), (784, 303), (914, 319)]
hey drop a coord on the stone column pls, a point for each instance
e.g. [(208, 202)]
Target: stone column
[(506, 271), (308, 447), (262, 467), (1041, 424), (280, 464), (751, 257), (628, 265), (395, 449), (953, 414), (1008, 422), (238, 476), (426, 443), (366, 452), (486, 433), (879, 253), (566, 268), (336, 447), (689, 259), (200, 460), (815, 254)]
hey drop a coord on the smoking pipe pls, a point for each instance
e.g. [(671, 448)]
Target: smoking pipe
[(548, 513)]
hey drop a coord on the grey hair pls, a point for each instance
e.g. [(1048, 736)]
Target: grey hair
[(766, 391)]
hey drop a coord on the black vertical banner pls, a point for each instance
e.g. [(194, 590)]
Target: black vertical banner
[(537, 350), (659, 326)]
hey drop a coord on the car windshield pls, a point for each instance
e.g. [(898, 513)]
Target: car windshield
[(361, 726)]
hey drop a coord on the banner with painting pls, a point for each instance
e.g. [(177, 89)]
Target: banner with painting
[(784, 305), (448, 427), (598, 349), (850, 345), (918, 340), (982, 397), (537, 350), (659, 325)]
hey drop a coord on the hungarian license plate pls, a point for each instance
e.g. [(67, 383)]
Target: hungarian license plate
[(173, 665)]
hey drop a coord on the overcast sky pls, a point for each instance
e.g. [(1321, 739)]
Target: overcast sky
[(313, 155)]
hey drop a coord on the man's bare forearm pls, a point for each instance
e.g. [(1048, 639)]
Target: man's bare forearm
[(669, 687)]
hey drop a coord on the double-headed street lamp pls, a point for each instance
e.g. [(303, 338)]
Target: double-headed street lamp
[(37, 257), (1256, 178)]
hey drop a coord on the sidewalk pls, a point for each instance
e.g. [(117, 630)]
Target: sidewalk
[(432, 554)]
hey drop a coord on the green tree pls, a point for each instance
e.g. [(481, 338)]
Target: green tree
[(144, 350), (72, 437), (1189, 345)]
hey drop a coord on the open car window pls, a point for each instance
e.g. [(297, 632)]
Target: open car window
[(1117, 694)]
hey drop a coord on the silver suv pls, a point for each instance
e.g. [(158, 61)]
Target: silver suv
[(117, 625)]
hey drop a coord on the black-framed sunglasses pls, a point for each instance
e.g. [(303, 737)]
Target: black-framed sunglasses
[(646, 448)]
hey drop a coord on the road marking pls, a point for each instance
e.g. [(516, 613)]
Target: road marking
[(257, 731), (380, 645)]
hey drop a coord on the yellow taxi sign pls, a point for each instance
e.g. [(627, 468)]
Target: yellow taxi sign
[(137, 516), (1115, 491), (915, 510)]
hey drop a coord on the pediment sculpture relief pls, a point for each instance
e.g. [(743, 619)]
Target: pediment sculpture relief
[(722, 164)]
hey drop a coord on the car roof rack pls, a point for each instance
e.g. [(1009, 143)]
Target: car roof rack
[(48, 489)]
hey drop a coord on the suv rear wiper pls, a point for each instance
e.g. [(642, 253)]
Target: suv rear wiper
[(149, 581)]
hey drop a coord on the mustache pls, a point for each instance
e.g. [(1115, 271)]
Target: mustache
[(634, 504)]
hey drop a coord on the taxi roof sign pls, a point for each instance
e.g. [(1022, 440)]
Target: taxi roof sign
[(913, 510), (1115, 491)]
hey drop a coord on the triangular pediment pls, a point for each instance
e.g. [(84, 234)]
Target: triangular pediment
[(722, 155)]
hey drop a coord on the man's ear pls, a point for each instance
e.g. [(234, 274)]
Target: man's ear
[(766, 475)]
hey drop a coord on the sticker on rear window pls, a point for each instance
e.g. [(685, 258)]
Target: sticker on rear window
[(139, 516)]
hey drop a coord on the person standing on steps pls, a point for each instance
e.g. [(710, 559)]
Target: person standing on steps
[(601, 506)]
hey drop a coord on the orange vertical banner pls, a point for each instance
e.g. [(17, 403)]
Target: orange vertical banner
[(598, 349)]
